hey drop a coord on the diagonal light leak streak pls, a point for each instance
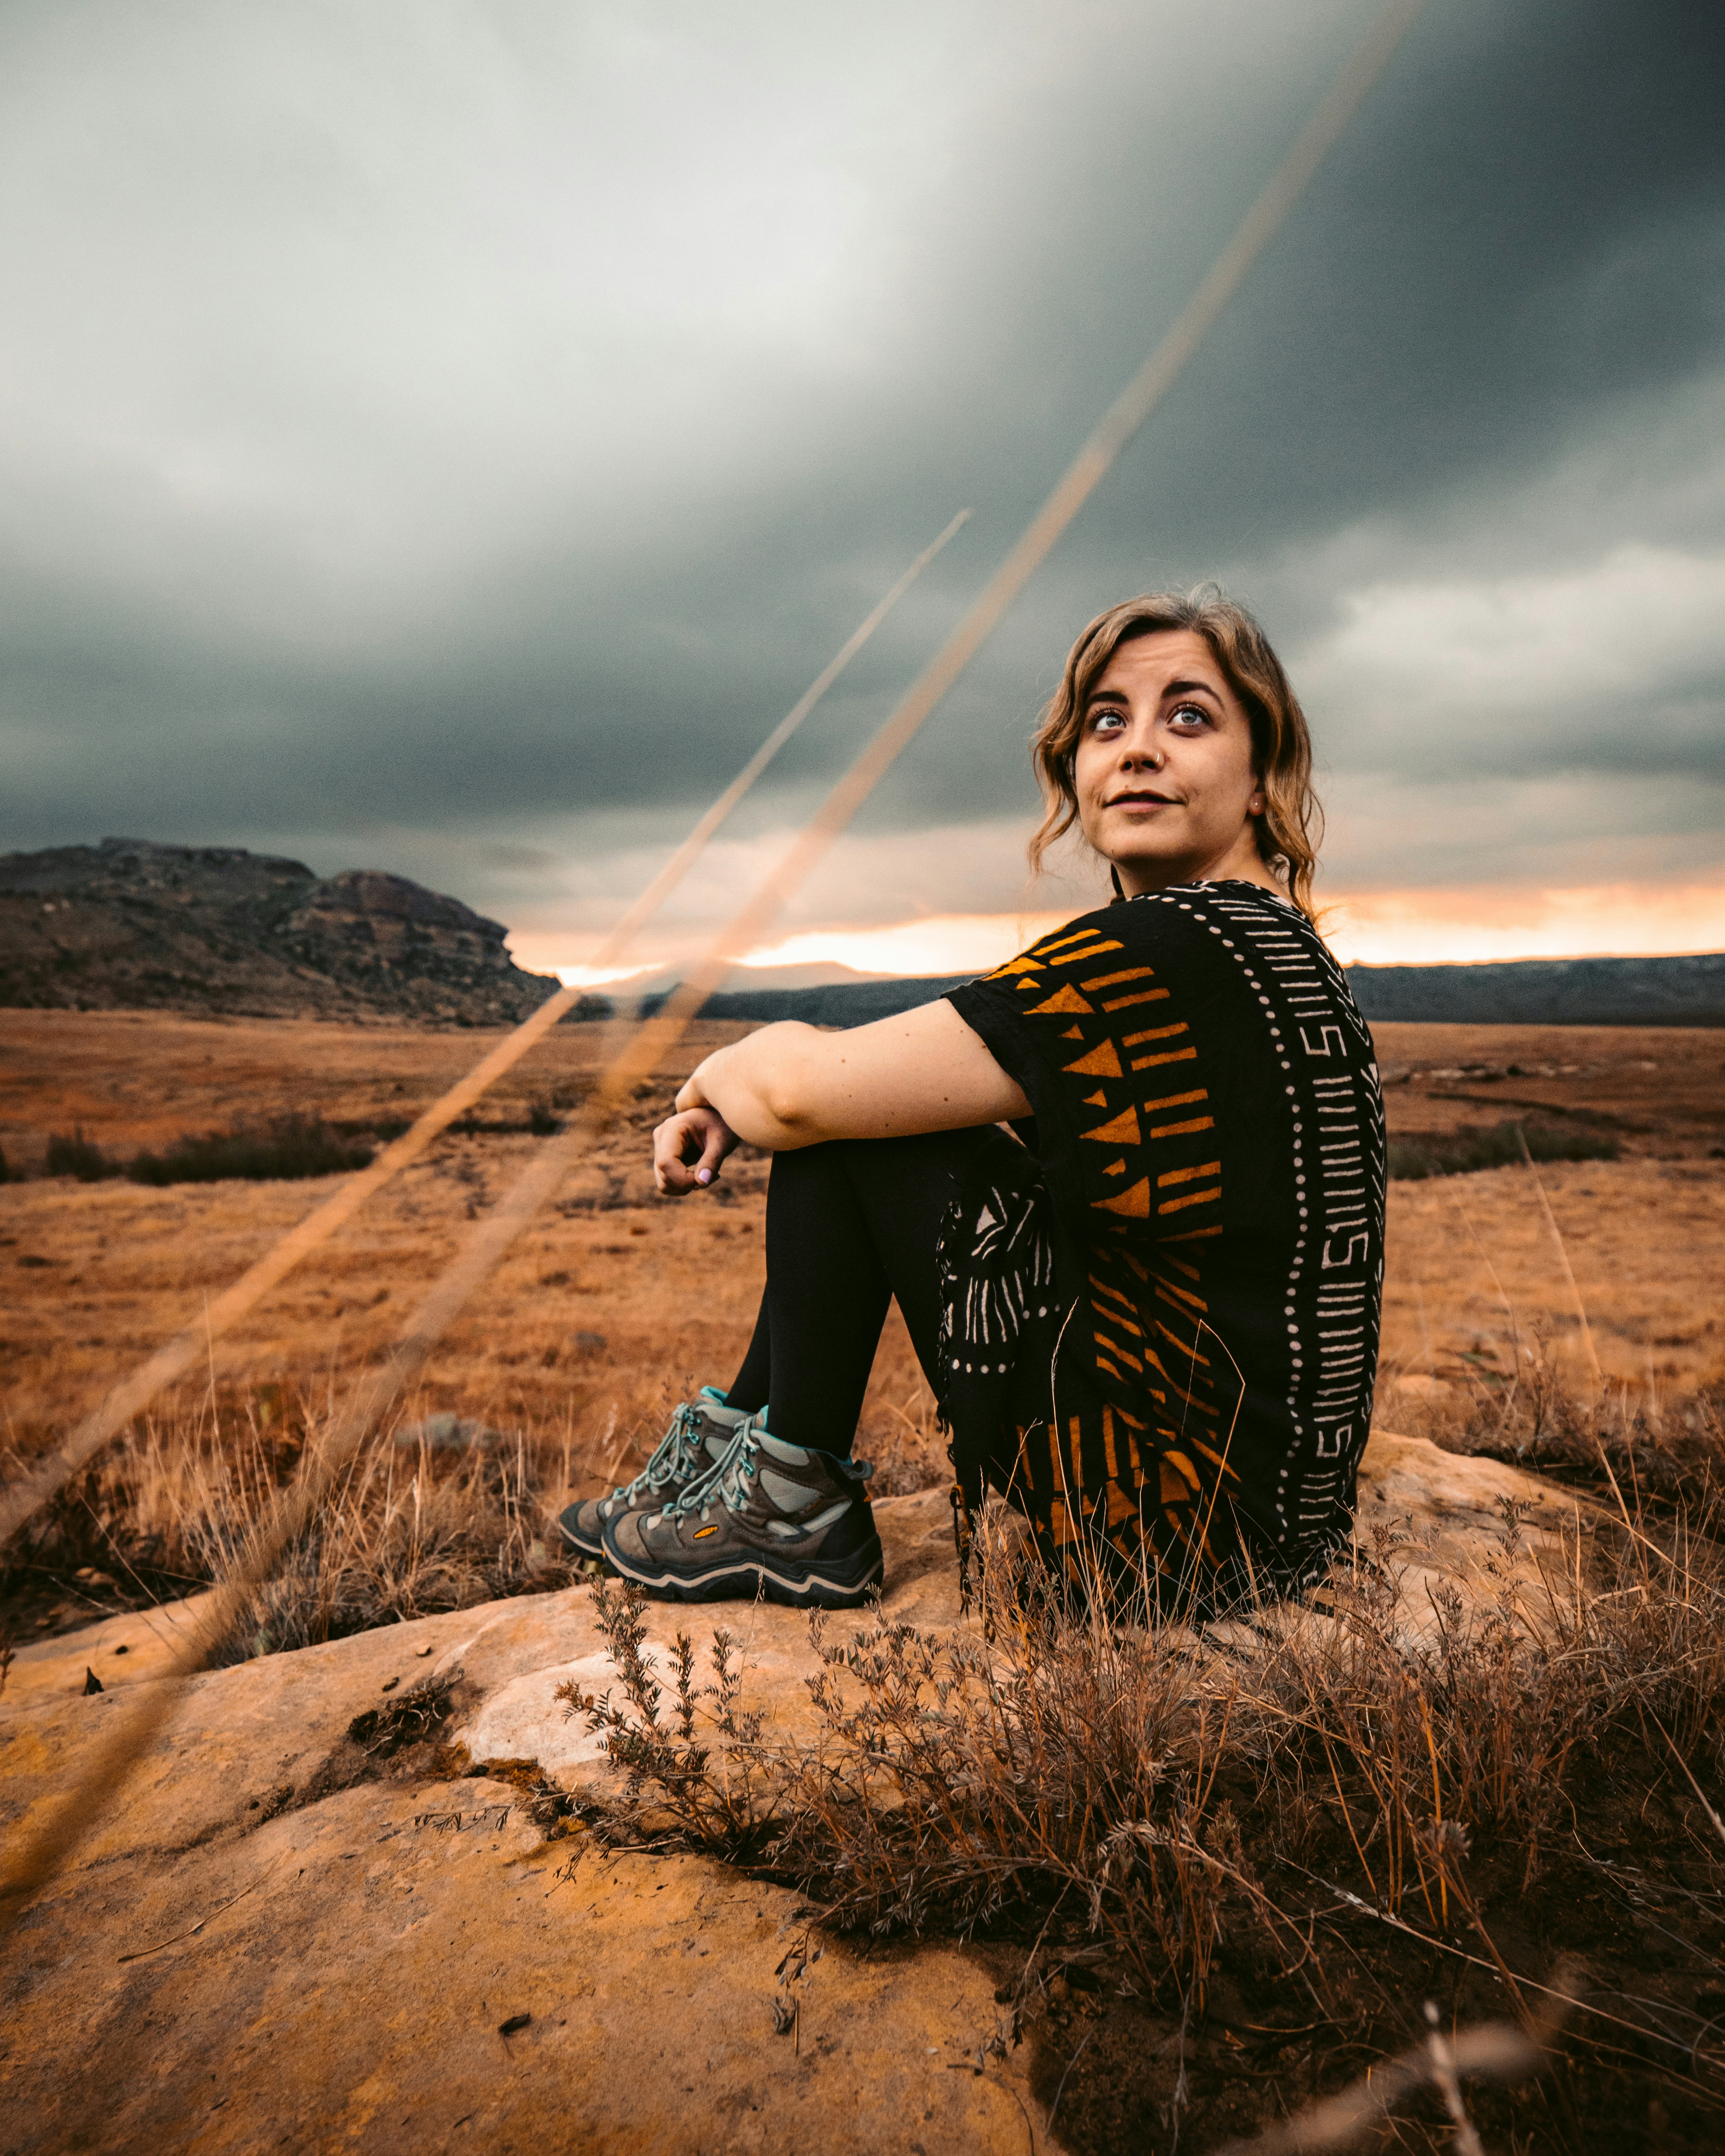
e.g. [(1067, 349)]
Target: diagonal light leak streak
[(680, 862), (55, 1838), (38, 1853), (135, 1392), (1116, 428)]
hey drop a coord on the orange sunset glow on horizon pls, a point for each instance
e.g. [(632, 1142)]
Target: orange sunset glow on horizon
[(1373, 928)]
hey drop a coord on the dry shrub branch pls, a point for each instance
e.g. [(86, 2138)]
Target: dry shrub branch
[(1067, 1765), (1213, 1814), (1487, 1719)]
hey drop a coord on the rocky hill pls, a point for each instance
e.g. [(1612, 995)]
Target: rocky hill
[(130, 925)]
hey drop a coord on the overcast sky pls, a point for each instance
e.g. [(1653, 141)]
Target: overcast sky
[(445, 437)]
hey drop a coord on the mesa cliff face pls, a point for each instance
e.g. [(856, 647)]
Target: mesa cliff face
[(132, 925)]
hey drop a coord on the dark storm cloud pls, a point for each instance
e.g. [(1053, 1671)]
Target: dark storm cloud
[(348, 492), (1518, 250)]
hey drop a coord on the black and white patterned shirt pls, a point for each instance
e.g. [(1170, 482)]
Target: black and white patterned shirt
[(1207, 1197)]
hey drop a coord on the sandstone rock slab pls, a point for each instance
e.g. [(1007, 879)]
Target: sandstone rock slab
[(344, 1978), (208, 1976)]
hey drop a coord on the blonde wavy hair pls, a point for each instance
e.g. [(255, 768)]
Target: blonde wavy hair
[(1291, 828)]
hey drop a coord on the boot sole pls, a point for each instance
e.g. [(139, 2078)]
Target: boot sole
[(747, 1577), (583, 1545)]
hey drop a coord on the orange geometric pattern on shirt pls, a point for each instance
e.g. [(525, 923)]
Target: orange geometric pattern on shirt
[(1155, 1183)]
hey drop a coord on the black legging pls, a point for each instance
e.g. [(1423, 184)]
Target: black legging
[(850, 1226)]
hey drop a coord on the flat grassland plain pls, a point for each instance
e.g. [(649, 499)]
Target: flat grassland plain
[(613, 1299)]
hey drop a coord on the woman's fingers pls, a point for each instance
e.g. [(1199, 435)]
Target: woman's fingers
[(720, 1139), (688, 1149), (671, 1176)]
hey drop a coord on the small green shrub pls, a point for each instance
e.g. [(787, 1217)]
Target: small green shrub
[(285, 1152), (1465, 1152), (81, 1157)]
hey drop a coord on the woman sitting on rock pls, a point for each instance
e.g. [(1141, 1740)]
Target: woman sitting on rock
[(1149, 1317)]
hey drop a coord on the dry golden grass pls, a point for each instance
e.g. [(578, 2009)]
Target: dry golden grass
[(601, 1315), (615, 1299), (139, 1078), (607, 1311), (1473, 1266), (415, 1525)]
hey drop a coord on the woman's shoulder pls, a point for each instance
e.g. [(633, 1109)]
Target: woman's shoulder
[(1190, 918), (1223, 957)]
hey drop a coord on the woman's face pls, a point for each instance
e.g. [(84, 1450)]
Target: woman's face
[(1163, 770)]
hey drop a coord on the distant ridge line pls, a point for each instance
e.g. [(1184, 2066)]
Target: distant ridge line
[(1680, 991)]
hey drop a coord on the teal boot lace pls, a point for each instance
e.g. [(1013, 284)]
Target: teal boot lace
[(679, 1453), (727, 1483)]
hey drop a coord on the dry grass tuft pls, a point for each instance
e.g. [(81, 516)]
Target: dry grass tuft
[(1081, 1758), (437, 1513), (412, 1717), (1630, 1445), (289, 1150), (1304, 1815), (1419, 1731), (905, 1443), (1468, 1152)]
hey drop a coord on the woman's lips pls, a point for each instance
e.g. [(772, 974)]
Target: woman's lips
[(1141, 801)]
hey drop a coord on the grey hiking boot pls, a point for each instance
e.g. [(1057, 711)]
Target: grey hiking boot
[(700, 1434), (775, 1519)]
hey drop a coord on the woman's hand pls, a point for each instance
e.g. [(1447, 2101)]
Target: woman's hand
[(688, 1148)]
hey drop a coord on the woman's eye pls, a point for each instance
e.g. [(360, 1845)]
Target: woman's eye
[(1188, 714), (1101, 723)]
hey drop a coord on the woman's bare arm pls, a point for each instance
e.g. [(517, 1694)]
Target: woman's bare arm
[(790, 1086)]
